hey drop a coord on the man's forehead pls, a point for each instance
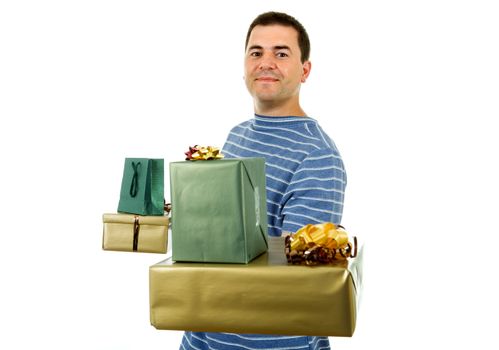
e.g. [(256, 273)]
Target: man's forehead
[(270, 36)]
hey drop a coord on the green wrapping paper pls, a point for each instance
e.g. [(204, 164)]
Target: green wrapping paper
[(266, 296), (219, 210)]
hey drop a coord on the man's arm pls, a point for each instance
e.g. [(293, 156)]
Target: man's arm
[(316, 192)]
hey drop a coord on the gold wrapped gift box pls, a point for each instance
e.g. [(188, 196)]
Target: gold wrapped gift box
[(129, 233), (266, 296)]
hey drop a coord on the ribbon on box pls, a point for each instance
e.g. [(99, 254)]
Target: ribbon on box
[(203, 153), (136, 228), (319, 244)]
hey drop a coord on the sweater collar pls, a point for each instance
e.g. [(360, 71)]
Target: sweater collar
[(265, 120)]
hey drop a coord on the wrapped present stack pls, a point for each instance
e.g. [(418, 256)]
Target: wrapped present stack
[(140, 224), (227, 275)]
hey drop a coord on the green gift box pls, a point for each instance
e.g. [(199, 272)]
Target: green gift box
[(219, 210), (142, 187)]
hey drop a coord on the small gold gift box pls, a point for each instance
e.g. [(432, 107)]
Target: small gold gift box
[(135, 233)]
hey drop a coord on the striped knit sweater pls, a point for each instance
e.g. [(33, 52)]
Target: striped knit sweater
[(305, 184)]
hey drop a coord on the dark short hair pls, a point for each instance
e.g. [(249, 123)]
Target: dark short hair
[(270, 18)]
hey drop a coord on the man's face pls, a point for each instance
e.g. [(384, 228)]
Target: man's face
[(273, 68)]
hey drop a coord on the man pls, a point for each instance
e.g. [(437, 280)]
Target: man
[(304, 171)]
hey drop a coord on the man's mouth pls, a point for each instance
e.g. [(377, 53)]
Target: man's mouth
[(267, 79)]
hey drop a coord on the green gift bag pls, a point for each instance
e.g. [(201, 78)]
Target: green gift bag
[(142, 187), (219, 210)]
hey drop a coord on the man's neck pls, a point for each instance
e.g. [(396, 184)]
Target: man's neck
[(275, 110)]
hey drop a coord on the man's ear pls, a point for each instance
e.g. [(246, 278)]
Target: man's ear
[(307, 66)]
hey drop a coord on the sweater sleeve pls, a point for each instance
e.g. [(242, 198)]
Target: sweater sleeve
[(316, 191)]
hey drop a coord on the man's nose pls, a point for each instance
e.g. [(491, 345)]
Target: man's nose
[(267, 61)]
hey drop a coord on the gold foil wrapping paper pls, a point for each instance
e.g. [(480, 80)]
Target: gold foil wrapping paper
[(127, 232), (266, 296)]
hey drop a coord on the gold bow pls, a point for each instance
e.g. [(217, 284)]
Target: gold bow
[(320, 243), (203, 153)]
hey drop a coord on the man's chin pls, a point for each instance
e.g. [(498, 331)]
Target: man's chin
[(266, 96)]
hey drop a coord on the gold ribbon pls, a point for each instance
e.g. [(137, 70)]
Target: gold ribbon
[(320, 243), (203, 153)]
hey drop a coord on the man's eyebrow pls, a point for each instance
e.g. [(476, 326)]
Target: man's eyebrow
[(282, 47), (255, 47), (277, 47)]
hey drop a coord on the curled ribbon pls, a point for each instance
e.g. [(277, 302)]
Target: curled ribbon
[(134, 187), (319, 244), (203, 153)]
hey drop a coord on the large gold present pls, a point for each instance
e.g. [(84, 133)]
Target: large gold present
[(266, 296), (135, 233)]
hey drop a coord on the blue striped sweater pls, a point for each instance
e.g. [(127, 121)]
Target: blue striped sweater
[(306, 183)]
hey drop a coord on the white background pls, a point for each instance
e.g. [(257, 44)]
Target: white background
[(407, 90)]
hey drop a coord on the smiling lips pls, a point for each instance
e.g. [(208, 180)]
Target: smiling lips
[(266, 79)]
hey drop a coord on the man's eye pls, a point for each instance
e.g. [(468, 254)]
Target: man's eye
[(282, 54), (255, 54)]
